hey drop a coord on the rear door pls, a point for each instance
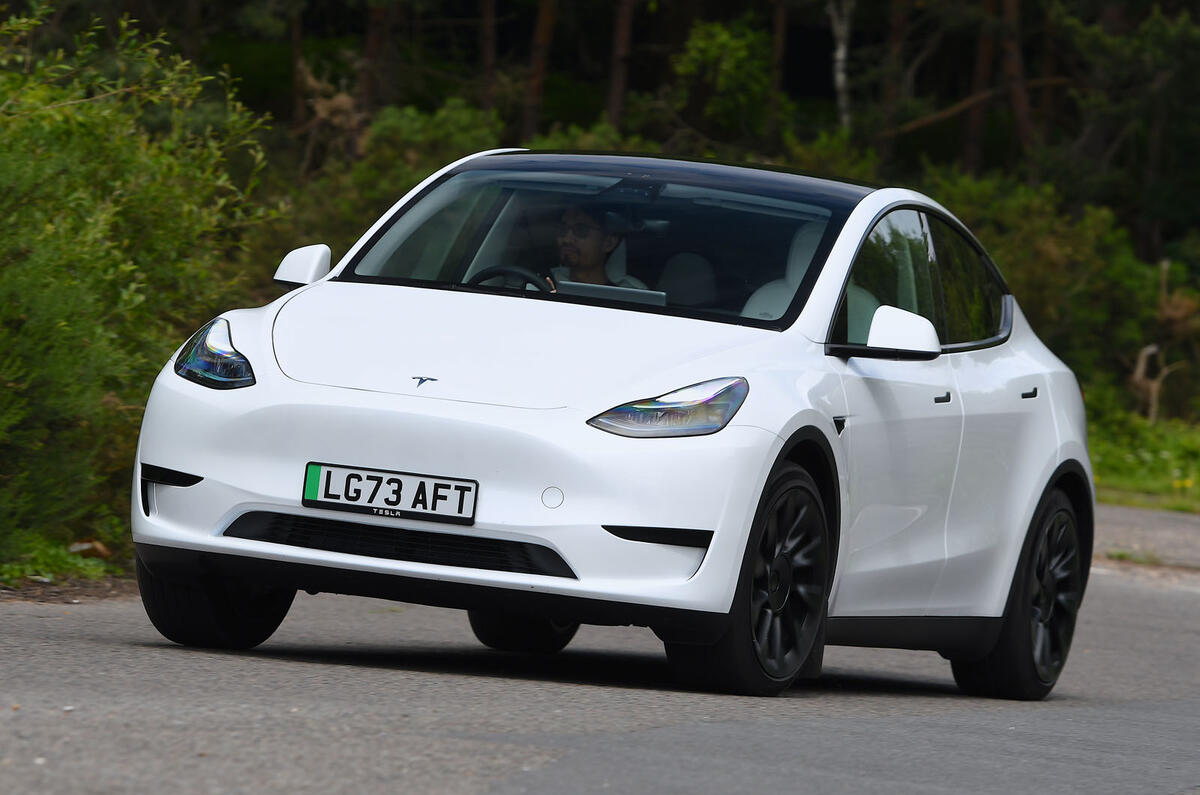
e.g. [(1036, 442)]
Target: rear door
[(1008, 427)]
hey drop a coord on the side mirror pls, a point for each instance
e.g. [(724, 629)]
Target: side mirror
[(895, 334), (898, 329), (303, 266)]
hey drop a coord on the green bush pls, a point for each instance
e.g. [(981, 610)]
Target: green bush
[(117, 209), (400, 148), (1076, 278)]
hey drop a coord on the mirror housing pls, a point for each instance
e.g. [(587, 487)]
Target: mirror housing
[(895, 334), (303, 266)]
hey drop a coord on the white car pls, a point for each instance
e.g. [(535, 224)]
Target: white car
[(755, 411)]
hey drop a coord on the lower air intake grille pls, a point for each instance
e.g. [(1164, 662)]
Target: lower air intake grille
[(397, 543)]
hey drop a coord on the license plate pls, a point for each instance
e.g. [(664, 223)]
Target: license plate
[(381, 492)]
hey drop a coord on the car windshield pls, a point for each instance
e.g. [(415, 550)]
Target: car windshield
[(627, 242)]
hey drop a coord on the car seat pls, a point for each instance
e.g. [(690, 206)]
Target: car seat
[(771, 300), (688, 279)]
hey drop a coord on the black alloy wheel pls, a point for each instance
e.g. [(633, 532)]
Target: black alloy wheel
[(778, 614), (1043, 608), (1056, 593), (787, 592)]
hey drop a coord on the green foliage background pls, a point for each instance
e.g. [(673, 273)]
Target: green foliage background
[(119, 208), (137, 200)]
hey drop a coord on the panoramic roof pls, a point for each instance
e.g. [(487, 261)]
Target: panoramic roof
[(765, 181)]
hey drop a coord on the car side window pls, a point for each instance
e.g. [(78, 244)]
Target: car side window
[(974, 296), (893, 268)]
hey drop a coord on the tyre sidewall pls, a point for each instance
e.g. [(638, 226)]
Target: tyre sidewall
[(737, 645)]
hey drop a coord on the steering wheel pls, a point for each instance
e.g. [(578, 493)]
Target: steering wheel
[(529, 276)]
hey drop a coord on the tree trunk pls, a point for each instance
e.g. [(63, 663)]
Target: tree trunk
[(619, 74), (893, 68), (299, 111), (1046, 101), (1150, 238), (487, 51), (1014, 73), (368, 76), (543, 34), (778, 48), (985, 58), (840, 13)]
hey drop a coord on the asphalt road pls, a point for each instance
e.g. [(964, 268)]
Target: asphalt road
[(356, 695)]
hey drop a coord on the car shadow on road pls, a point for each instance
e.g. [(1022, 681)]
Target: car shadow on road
[(635, 670)]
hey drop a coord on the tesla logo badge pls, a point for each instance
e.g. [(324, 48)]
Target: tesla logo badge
[(420, 379)]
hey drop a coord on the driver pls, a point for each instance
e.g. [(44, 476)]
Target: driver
[(584, 246)]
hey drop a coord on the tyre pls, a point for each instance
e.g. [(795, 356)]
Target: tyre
[(214, 614), (1039, 621), (778, 612), (503, 630)]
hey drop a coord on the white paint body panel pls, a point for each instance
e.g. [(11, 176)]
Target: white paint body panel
[(926, 528)]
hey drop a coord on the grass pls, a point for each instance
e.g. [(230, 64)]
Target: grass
[(41, 560), (1129, 556), (1146, 465), (1140, 499)]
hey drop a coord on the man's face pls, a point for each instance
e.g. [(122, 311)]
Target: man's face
[(582, 243)]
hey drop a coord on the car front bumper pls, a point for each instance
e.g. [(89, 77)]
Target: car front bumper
[(250, 447)]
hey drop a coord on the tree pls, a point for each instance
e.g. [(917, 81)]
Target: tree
[(543, 34), (841, 13), (619, 72), (981, 78), (487, 53), (1014, 73)]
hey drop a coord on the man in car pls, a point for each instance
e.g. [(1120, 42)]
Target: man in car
[(585, 244)]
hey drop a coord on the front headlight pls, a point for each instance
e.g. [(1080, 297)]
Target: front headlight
[(209, 358), (695, 410)]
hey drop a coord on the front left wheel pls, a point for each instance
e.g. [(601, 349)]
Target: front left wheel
[(781, 599), (524, 633), (213, 614)]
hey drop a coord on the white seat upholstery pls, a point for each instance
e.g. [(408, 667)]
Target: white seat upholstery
[(688, 280), (614, 269), (860, 311), (770, 301)]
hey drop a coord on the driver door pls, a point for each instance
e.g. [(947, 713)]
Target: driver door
[(901, 436)]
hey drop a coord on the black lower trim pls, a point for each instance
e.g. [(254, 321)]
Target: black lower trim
[(399, 543), (700, 539), (168, 477), (953, 636), (849, 351), (670, 624)]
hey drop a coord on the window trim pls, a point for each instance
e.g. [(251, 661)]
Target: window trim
[(1007, 311)]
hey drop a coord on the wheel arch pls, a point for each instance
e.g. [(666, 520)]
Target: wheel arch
[(808, 447), (1071, 478)]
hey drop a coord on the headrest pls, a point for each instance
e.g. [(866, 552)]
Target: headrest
[(804, 245), (615, 268), (688, 280)]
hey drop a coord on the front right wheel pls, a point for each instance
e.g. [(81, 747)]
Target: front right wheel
[(780, 603), (213, 614), (1039, 623)]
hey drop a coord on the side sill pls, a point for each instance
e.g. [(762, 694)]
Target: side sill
[(968, 638), (670, 624)]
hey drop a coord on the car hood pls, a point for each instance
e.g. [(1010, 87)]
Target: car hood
[(497, 349)]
